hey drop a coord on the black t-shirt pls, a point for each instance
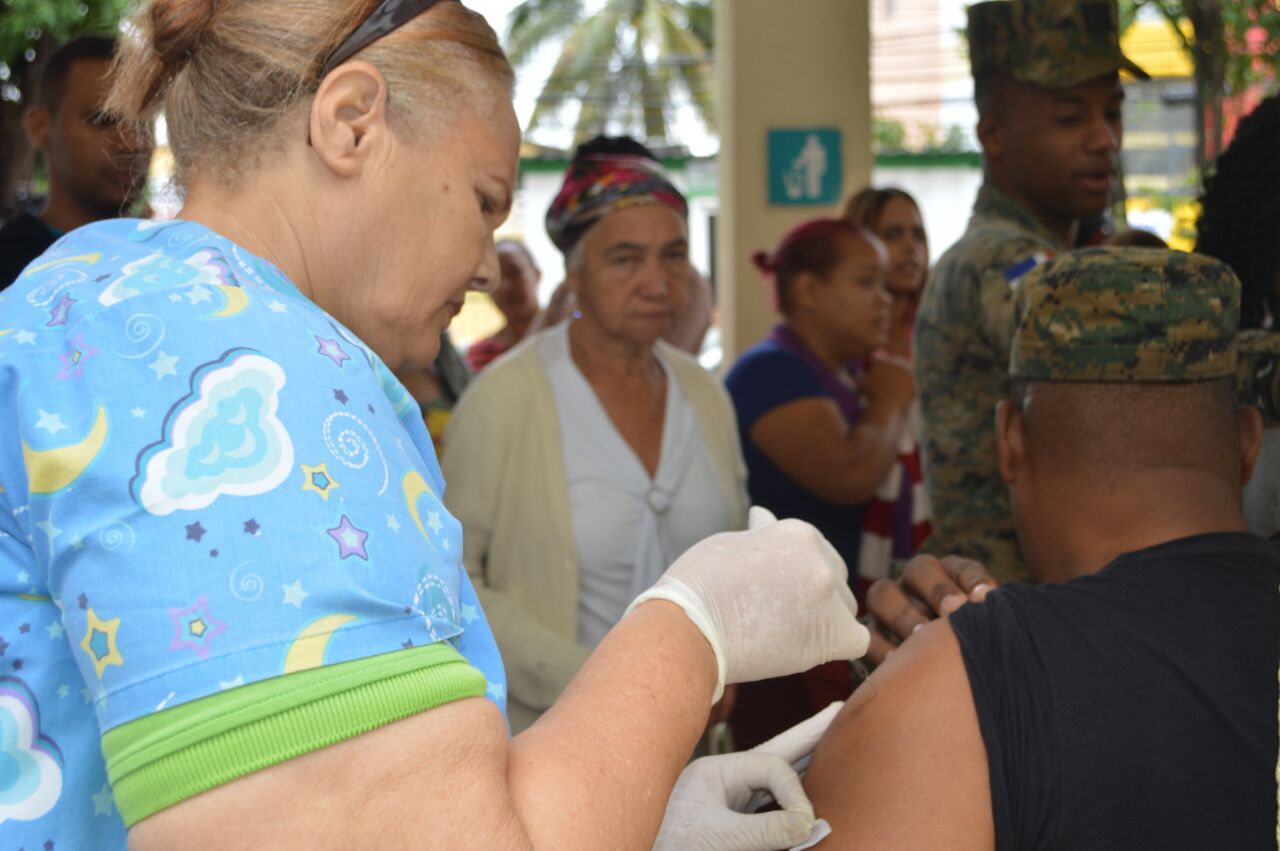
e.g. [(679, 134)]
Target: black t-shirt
[(1135, 708), (24, 238)]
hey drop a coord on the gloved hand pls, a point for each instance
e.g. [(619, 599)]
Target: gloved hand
[(771, 601), (705, 812)]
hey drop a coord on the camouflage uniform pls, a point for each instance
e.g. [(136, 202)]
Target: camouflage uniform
[(965, 323), (1127, 316)]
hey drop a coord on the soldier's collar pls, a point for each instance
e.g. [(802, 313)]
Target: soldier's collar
[(992, 202)]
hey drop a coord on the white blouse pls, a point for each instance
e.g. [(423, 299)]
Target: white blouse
[(628, 527)]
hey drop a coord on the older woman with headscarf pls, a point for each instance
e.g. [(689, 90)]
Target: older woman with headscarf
[(596, 453), (220, 514)]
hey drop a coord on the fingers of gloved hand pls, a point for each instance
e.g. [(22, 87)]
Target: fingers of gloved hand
[(893, 610), (759, 517), (759, 832), (746, 592), (752, 771), (851, 638), (801, 739), (970, 575)]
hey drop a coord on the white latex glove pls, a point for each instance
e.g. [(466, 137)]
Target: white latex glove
[(706, 810), (771, 601)]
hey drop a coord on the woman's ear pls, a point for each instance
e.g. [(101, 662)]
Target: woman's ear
[(803, 292), (348, 120)]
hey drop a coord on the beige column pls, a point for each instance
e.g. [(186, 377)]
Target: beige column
[(780, 64)]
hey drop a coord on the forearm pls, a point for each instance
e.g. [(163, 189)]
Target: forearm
[(872, 446), (596, 770)]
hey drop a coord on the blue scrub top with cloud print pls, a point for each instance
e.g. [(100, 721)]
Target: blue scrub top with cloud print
[(205, 481)]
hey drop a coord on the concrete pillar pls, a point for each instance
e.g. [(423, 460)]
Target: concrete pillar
[(780, 64)]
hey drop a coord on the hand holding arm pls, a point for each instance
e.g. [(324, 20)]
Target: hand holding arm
[(929, 588), (708, 807)]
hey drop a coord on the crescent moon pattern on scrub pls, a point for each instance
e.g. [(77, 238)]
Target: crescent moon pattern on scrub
[(205, 481)]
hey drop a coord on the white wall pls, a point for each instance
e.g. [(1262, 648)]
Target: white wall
[(945, 196)]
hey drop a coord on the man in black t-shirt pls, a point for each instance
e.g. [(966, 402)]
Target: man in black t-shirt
[(1130, 701), (96, 168)]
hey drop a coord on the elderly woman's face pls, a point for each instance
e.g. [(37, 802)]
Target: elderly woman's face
[(441, 200), (517, 293), (634, 272)]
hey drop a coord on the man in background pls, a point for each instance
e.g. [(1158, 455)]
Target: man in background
[(1049, 120), (96, 169)]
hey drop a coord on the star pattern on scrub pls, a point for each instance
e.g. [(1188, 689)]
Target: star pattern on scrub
[(350, 540), (61, 312), (157, 484), (194, 628), (73, 362), (317, 480), (100, 642), (332, 350)]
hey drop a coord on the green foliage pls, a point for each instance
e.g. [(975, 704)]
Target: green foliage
[(888, 135), (29, 26), (1250, 29), (1253, 42), (623, 66)]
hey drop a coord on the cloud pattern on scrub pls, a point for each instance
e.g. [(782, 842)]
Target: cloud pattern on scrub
[(225, 439), (157, 272), (30, 763)]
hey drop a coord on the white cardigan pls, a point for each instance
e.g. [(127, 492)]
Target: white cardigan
[(504, 468)]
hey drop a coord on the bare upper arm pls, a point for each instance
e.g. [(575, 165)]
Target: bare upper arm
[(808, 441), (434, 780), (904, 764)]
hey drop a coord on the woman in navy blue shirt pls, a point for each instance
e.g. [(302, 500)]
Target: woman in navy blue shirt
[(818, 434)]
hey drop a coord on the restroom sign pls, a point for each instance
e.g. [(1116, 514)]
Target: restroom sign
[(805, 167)]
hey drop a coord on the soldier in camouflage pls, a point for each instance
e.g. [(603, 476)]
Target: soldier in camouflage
[(1048, 94)]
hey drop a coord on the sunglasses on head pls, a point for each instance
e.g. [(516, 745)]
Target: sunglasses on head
[(387, 18)]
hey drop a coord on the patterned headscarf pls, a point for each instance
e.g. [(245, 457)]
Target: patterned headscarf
[(599, 182)]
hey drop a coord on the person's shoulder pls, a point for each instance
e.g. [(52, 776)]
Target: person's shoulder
[(1225, 565), (509, 376), (22, 228), (96, 267), (686, 367), (890, 751), (994, 247), (764, 359), (697, 382)]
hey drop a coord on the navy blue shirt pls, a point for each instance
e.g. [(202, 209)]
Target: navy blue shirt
[(768, 376)]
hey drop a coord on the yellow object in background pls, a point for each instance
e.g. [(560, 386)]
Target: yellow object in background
[(479, 319)]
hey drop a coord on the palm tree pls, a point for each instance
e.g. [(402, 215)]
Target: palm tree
[(623, 63)]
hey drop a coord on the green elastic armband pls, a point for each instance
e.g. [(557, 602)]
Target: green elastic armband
[(162, 759)]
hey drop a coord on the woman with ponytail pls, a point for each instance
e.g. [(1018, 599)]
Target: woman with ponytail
[(820, 416), (221, 516)]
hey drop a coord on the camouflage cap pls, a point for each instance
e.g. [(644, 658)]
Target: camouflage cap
[(1055, 44), (1126, 315)]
